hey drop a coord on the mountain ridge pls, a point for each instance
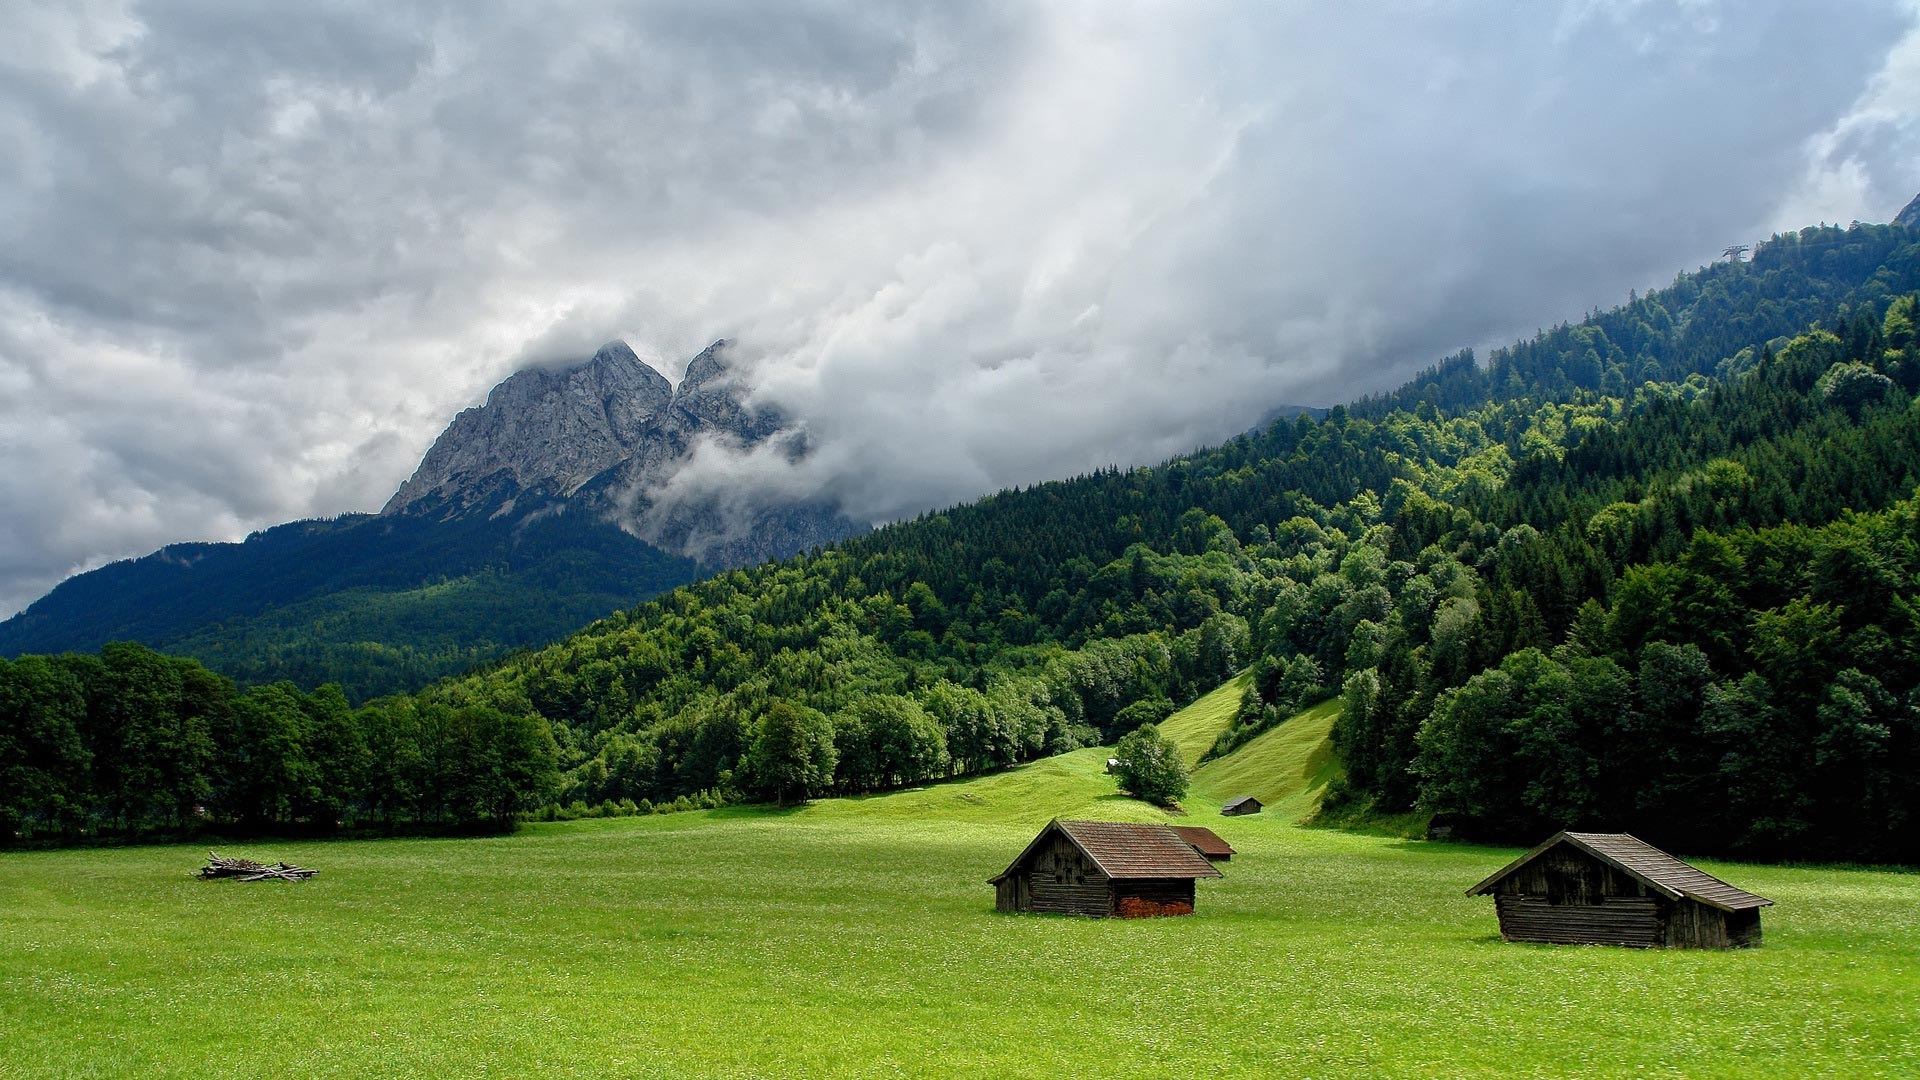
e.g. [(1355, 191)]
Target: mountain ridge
[(527, 518)]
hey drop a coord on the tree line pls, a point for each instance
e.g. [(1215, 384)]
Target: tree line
[(130, 743)]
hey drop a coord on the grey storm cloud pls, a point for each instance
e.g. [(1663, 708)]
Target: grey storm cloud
[(253, 257)]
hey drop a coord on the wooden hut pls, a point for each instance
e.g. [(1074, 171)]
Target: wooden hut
[(1103, 868), (1205, 841), (1614, 889), (1245, 804)]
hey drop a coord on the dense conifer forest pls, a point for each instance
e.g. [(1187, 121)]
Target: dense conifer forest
[(1653, 571)]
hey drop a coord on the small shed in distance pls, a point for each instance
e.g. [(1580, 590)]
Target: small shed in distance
[(1245, 804), (1615, 889), (1103, 868), (1205, 841)]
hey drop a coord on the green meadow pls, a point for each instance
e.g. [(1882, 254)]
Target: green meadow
[(858, 938)]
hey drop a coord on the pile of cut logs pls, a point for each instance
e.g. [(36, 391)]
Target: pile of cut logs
[(1137, 907), (248, 870)]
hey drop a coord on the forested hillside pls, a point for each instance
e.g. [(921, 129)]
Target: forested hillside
[(1651, 571)]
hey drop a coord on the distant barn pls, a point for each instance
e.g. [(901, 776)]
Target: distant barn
[(1103, 868), (1205, 841), (1245, 804), (1613, 889)]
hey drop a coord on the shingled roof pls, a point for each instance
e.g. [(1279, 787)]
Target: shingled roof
[(1647, 864), (1205, 840), (1126, 851)]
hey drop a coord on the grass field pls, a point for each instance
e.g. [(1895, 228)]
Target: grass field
[(857, 938)]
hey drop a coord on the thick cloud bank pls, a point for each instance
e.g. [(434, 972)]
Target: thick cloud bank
[(253, 258)]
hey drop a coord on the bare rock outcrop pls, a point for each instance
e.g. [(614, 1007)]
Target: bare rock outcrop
[(599, 438)]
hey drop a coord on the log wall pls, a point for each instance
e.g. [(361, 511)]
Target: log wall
[(1064, 882), (1612, 921), (1693, 925)]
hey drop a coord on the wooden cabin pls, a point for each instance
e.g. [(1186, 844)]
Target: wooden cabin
[(1103, 868), (1614, 889), (1245, 804), (1205, 841)]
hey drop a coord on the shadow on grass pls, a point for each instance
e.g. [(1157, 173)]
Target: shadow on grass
[(289, 834), (1416, 846), (1120, 798), (741, 811)]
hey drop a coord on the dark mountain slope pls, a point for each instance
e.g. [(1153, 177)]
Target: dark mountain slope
[(376, 604)]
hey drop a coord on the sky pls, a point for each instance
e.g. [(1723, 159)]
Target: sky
[(254, 257)]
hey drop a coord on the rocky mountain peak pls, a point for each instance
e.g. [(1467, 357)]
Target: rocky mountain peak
[(706, 367), (615, 352), (707, 395), (600, 435), (543, 428)]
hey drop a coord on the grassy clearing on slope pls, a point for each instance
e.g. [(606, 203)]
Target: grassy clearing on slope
[(857, 938), (1072, 785), (1194, 728), (1287, 769)]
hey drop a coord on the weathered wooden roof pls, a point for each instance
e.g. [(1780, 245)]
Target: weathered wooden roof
[(1205, 840), (1126, 851), (1241, 801), (1647, 864)]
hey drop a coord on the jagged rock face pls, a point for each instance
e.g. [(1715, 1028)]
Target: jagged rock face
[(600, 436), (1910, 217), (705, 401), (545, 429)]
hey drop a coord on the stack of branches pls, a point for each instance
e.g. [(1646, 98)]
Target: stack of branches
[(248, 870)]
